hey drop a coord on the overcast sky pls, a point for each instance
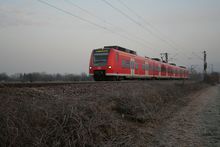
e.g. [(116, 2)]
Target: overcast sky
[(36, 37)]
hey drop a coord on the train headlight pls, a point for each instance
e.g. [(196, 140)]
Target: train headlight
[(90, 67), (109, 67)]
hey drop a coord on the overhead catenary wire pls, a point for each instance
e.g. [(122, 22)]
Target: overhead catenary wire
[(86, 11), (147, 23), (197, 56), (109, 23), (136, 22), (87, 21), (73, 15)]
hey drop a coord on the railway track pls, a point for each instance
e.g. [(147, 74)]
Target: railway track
[(48, 84)]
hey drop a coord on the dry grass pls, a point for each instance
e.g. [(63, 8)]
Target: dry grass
[(212, 78), (100, 115)]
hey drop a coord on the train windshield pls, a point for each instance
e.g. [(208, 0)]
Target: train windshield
[(100, 57)]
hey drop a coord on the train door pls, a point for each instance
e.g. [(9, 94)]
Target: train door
[(146, 69), (166, 71), (154, 69), (132, 63), (150, 71), (117, 63), (159, 70)]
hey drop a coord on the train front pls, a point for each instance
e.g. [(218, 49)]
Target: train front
[(100, 64)]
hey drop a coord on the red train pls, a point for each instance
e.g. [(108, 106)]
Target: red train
[(116, 63)]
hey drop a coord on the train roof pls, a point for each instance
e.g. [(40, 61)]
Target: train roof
[(172, 64), (156, 59), (122, 49), (182, 67)]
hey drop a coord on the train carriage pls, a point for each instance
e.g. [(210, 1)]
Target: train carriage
[(115, 63)]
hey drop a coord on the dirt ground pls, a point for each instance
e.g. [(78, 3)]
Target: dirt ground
[(197, 124)]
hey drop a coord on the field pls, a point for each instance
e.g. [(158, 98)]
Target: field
[(91, 114)]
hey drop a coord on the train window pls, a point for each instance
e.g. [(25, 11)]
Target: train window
[(143, 66), (146, 66), (159, 68), (155, 68), (152, 67), (125, 63), (163, 68), (100, 59), (136, 65), (132, 64)]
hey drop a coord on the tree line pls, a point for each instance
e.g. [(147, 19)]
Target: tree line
[(43, 77)]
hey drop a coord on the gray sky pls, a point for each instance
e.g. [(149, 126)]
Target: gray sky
[(35, 37)]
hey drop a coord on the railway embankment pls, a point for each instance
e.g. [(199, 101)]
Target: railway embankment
[(100, 114)]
